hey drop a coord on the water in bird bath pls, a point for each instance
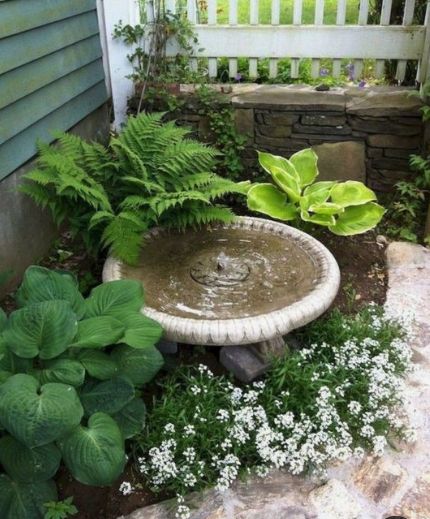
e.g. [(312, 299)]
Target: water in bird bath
[(224, 273)]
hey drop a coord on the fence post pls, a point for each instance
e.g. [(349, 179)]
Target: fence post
[(115, 52)]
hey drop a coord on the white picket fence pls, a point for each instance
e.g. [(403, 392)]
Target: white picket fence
[(297, 41)]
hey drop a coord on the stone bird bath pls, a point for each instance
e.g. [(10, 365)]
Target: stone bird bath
[(246, 283)]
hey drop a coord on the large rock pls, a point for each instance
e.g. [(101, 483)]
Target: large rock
[(395, 102), (341, 161), (334, 501)]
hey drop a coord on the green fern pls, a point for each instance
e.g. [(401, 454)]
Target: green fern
[(150, 174)]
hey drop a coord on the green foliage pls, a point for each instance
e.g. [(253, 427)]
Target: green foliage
[(335, 397), (151, 174), (65, 389), (345, 208), (60, 509), (224, 134)]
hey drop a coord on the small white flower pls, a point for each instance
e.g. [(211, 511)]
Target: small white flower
[(125, 488)]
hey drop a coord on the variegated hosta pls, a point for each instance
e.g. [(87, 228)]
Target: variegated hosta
[(346, 208), (70, 369)]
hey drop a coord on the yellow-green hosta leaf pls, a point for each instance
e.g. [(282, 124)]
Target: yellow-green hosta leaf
[(350, 193), (95, 454), (287, 183), (319, 192), (268, 199), (326, 208), (305, 163), (268, 162), (320, 219), (358, 219)]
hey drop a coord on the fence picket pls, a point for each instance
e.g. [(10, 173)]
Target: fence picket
[(170, 6), (340, 20), (385, 20), (423, 72), (363, 15), (297, 20), (319, 20), (408, 17), (212, 19), (232, 20), (192, 17), (273, 62), (253, 20)]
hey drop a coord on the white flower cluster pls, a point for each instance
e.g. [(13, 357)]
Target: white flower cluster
[(329, 430)]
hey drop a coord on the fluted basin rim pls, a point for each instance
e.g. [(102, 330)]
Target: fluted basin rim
[(263, 327)]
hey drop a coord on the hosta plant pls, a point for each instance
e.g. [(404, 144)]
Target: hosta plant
[(70, 372), (345, 208)]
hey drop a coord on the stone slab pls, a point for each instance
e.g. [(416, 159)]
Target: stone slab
[(381, 104), (290, 97), (341, 161), (393, 141)]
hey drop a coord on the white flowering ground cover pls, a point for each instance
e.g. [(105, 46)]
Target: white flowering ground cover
[(339, 396)]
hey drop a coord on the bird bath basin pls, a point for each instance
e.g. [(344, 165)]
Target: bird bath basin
[(248, 282)]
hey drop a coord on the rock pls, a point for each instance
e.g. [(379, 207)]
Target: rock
[(407, 255), (374, 153), (415, 504), (393, 141), (280, 97), (401, 154), (277, 118), (279, 143), (391, 164), (249, 362), (341, 161), (382, 240), (379, 478), (275, 131), (385, 103), (323, 130), (373, 125), (333, 501), (323, 120), (167, 347), (244, 123)]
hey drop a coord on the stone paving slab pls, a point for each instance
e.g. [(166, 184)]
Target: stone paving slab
[(397, 484)]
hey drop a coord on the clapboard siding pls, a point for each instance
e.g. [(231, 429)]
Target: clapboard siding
[(21, 148), (20, 49), (18, 16), (45, 70), (51, 72)]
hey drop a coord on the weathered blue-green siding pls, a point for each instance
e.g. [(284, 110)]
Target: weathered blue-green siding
[(51, 72)]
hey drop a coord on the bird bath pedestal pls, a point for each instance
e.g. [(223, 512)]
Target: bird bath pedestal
[(242, 286)]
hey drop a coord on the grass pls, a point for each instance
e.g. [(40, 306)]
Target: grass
[(308, 12)]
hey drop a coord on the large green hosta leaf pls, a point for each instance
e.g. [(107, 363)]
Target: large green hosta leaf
[(269, 162), (64, 371), (141, 331), (287, 183), (10, 362), (358, 219), (268, 199), (27, 465), (140, 366), (131, 418), (115, 298), (41, 284), (98, 364), (95, 454), (108, 397), (98, 332), (45, 329), (38, 415), (305, 163), (25, 500), (351, 193)]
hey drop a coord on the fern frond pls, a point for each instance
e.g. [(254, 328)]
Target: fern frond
[(124, 236)]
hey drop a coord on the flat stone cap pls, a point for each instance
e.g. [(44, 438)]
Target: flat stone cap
[(385, 103)]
